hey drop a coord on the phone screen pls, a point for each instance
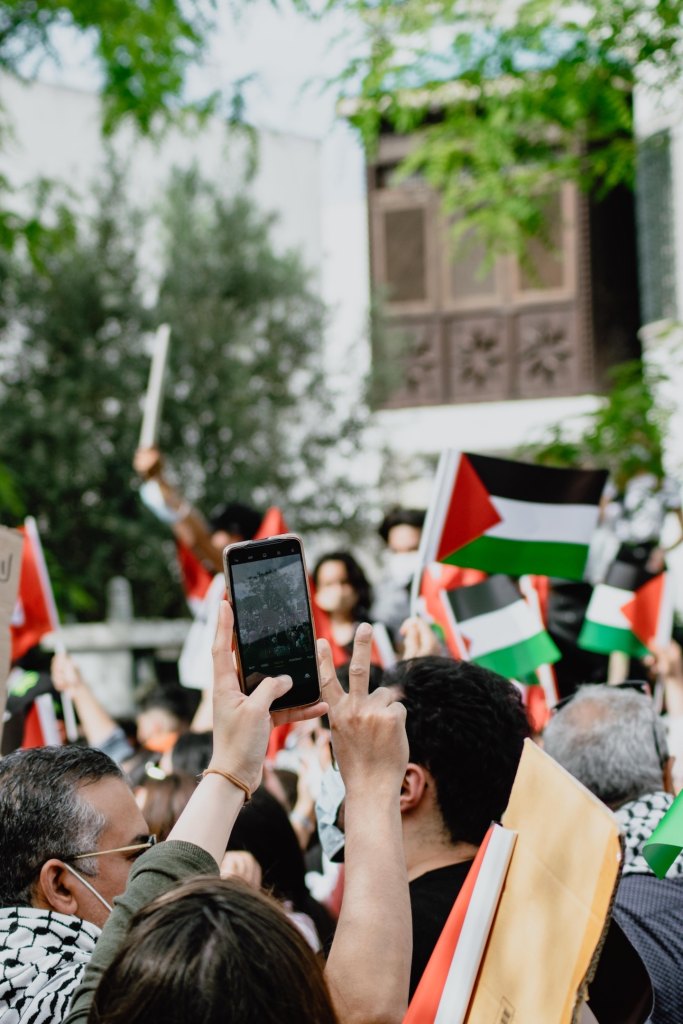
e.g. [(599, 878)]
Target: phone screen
[(272, 617)]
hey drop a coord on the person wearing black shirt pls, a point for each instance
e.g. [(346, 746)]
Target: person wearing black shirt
[(466, 727)]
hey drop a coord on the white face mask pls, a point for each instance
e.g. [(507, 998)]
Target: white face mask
[(92, 888), (330, 797), (402, 566)]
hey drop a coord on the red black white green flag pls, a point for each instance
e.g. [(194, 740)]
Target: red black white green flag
[(432, 605), (499, 629), (632, 611), (511, 517)]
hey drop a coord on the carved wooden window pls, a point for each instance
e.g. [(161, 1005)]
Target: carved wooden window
[(460, 333)]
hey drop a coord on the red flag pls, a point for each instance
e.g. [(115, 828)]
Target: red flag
[(40, 724), (196, 579), (272, 524), (35, 613)]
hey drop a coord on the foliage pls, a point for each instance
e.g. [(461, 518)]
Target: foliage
[(509, 100), (143, 50), (248, 402), (73, 370), (247, 415), (625, 434)]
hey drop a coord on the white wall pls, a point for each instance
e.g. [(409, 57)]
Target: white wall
[(56, 134)]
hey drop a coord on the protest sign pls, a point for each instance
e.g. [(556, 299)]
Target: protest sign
[(556, 899), (151, 416), (11, 544)]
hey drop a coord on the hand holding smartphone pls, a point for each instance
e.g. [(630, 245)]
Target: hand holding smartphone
[(267, 584)]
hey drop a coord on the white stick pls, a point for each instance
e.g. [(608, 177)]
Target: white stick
[(151, 416), (60, 647), (437, 510)]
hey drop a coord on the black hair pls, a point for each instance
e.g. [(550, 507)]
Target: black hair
[(176, 700), (357, 579), (398, 516), (236, 518), (192, 753), (43, 814), (466, 725), (264, 830)]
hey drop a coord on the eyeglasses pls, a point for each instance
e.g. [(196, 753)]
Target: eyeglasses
[(136, 847)]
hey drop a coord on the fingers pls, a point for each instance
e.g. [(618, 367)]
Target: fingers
[(224, 674), (329, 684), (269, 689), (359, 669), (300, 714)]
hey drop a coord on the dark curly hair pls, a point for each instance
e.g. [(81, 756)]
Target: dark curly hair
[(357, 579), (466, 726)]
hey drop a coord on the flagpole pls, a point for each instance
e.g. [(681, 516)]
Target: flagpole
[(426, 552), (60, 646)]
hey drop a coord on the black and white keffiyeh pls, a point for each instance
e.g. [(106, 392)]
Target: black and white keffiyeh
[(638, 819), (42, 958)]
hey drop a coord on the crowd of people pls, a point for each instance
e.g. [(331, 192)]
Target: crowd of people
[(216, 862)]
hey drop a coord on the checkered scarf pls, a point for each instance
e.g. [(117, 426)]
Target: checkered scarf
[(638, 819), (42, 958)]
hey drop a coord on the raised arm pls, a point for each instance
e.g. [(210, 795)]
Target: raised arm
[(168, 504), (198, 840), (368, 969)]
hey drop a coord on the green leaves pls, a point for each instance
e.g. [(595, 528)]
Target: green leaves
[(247, 414), (507, 106), (144, 50)]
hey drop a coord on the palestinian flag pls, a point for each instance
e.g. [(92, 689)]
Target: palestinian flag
[(436, 581), (498, 629), (632, 611), (511, 517)]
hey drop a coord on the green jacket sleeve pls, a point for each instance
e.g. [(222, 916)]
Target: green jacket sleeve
[(157, 871)]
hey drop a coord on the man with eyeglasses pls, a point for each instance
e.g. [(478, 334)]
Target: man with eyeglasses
[(613, 741), (70, 832)]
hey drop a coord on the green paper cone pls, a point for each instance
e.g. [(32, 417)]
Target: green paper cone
[(666, 842)]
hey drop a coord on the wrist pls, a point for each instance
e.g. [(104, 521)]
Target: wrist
[(234, 779)]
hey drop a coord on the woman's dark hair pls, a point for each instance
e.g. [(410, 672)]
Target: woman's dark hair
[(214, 951), (165, 801), (192, 753), (357, 579), (263, 828)]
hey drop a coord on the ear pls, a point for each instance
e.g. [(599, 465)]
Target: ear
[(57, 888), (668, 779), (415, 782)]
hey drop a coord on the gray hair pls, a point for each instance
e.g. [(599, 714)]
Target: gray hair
[(611, 740), (44, 813)]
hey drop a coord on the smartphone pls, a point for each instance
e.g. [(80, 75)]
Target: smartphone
[(267, 584)]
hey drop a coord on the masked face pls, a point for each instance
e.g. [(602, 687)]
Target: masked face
[(333, 591)]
